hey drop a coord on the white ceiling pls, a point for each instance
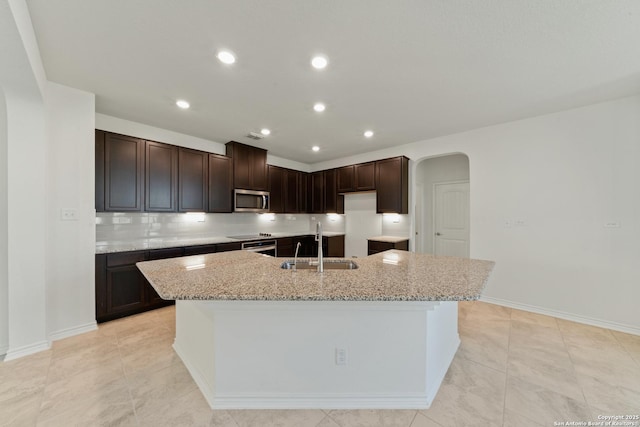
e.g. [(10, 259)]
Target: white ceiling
[(409, 70)]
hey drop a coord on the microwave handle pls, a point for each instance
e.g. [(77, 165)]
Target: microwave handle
[(264, 202)]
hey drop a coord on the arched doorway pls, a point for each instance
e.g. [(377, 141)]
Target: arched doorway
[(442, 205)]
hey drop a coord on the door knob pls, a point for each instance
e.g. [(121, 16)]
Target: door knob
[(438, 234)]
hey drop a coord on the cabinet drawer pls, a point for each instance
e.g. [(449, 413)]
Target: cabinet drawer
[(200, 249), (165, 253), (125, 258), (226, 247)]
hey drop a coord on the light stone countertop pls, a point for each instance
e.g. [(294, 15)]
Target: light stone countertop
[(389, 239), (387, 276), (176, 242)]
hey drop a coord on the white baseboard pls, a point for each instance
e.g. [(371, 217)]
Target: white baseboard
[(629, 329), (27, 350), (76, 330), (3, 351)]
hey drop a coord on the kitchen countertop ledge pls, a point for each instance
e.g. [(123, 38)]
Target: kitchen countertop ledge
[(178, 242), (387, 276)]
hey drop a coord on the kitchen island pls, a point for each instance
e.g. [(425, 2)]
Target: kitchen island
[(256, 336)]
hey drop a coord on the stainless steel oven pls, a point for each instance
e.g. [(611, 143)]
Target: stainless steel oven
[(266, 247)]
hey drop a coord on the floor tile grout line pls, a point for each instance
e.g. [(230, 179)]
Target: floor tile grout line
[(413, 419), (127, 380)]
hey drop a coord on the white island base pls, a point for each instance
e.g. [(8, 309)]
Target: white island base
[(287, 354)]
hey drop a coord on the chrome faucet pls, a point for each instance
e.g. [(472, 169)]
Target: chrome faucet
[(295, 257), (319, 240)]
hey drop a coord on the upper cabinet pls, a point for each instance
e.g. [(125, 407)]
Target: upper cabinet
[(330, 192), (220, 184), (277, 189), (360, 177), (346, 179), (193, 173), (249, 166), (316, 192), (365, 176), (161, 177), (392, 185), (119, 172)]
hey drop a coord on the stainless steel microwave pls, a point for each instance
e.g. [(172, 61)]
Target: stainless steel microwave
[(250, 201)]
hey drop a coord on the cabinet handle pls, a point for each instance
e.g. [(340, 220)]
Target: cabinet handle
[(438, 234)]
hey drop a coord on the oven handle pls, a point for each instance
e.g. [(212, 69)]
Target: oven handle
[(259, 248), (264, 202)]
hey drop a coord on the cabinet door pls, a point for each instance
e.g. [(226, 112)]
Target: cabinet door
[(335, 246), (231, 246), (193, 168), (330, 192), (346, 179), (200, 249), (125, 289), (303, 192), (161, 177), (375, 246), (220, 184), (259, 171), (392, 185), (365, 174), (317, 192), (292, 191), (249, 166), (285, 247), (276, 189), (99, 165), (123, 173)]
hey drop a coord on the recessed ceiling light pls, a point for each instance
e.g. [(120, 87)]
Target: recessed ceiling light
[(319, 62), (319, 107), (315, 148), (368, 133), (226, 57), (265, 132), (182, 104)]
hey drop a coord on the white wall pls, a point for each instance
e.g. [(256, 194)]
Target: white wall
[(454, 167), (21, 77), (563, 176), (361, 223), (70, 185), (4, 281)]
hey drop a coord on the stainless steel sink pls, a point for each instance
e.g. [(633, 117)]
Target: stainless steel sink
[(329, 264)]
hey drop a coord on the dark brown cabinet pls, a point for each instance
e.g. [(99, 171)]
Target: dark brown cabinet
[(161, 177), (284, 190), (292, 180), (365, 176), (335, 246), (330, 192), (277, 189), (392, 185), (121, 290), (220, 184), (119, 172), (316, 192), (249, 166), (346, 179), (375, 246), (193, 171), (360, 177)]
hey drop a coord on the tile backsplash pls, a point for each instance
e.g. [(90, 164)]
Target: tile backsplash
[(118, 226)]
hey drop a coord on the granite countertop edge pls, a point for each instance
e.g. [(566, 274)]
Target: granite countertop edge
[(392, 275), (165, 243)]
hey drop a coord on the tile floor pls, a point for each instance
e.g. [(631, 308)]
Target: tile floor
[(513, 368)]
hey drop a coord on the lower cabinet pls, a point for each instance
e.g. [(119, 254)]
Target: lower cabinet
[(375, 246), (121, 290)]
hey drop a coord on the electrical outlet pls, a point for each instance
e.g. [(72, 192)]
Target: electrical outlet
[(612, 224), (341, 356), (69, 214)]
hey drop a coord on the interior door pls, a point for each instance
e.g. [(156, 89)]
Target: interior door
[(451, 219)]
